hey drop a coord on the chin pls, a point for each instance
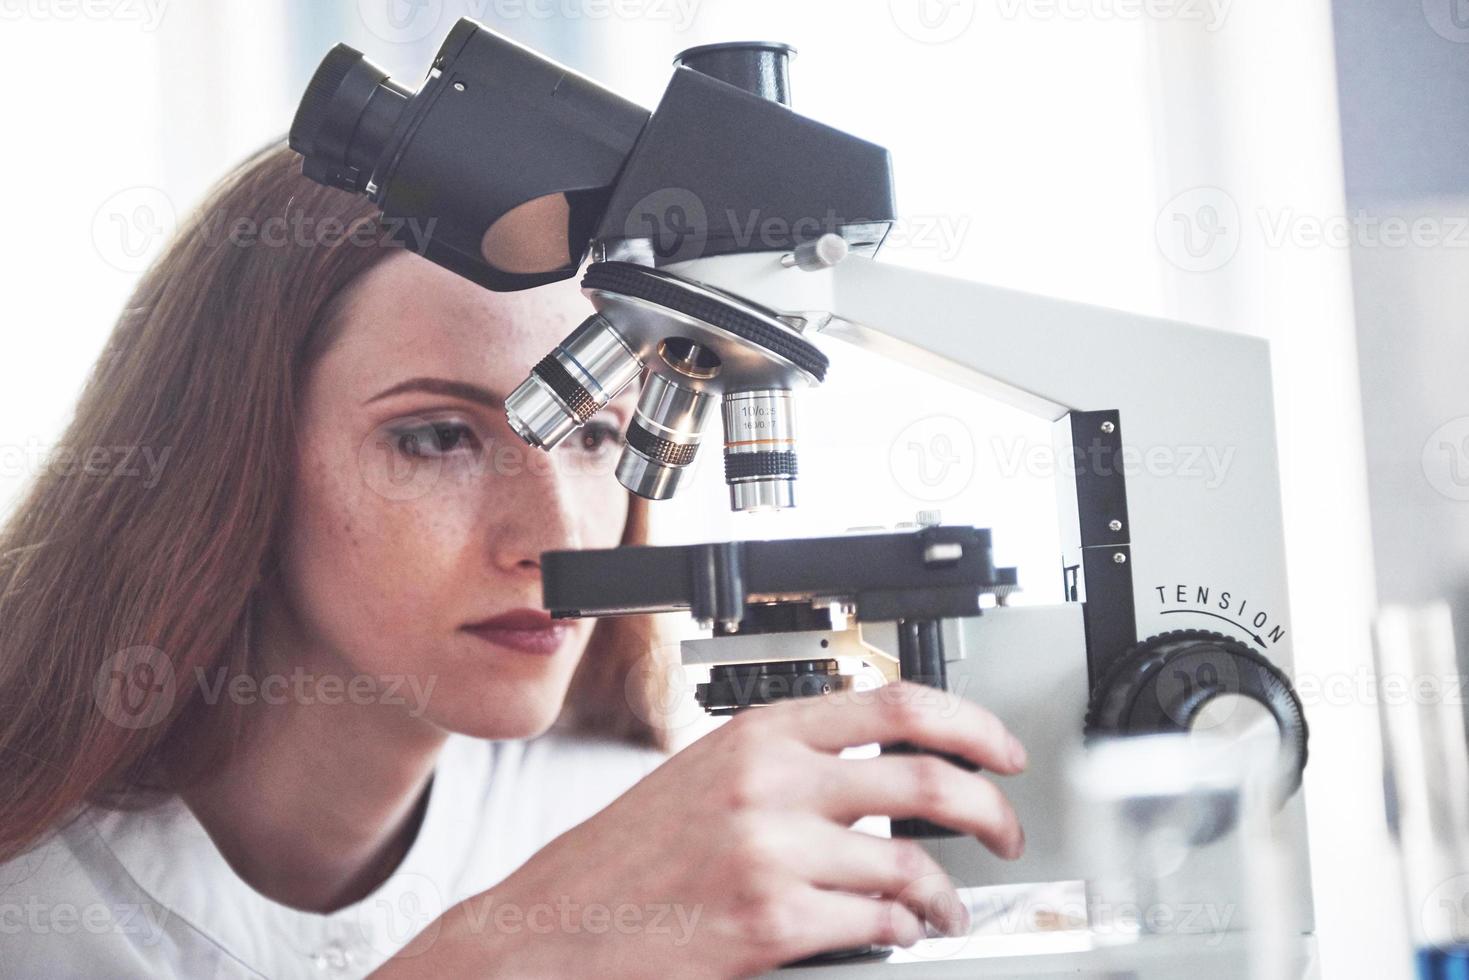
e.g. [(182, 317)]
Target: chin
[(504, 710)]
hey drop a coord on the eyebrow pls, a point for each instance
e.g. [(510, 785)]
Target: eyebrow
[(443, 386)]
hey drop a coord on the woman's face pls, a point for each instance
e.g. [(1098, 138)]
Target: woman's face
[(419, 518)]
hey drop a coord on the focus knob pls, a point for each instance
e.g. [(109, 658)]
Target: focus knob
[(1199, 681)]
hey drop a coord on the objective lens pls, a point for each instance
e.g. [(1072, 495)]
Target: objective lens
[(760, 449), (572, 383), (662, 438)]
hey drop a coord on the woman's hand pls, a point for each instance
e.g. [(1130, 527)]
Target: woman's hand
[(736, 855)]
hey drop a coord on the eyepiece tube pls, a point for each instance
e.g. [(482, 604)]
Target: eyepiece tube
[(345, 119), (499, 168), (572, 383)]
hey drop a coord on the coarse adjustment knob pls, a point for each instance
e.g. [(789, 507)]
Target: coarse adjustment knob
[(1205, 682)]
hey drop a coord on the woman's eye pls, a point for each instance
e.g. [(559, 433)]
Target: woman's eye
[(435, 439), (598, 437)]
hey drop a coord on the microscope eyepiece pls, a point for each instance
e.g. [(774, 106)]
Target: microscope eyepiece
[(345, 119), (499, 167), (759, 67)]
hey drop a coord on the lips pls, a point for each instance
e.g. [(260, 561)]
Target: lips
[(522, 630)]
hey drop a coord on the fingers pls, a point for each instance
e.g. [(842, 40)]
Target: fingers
[(919, 786), (900, 870), (902, 712), (850, 921), (924, 786), (793, 871)]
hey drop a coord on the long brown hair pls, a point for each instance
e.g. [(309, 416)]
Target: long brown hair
[(103, 569)]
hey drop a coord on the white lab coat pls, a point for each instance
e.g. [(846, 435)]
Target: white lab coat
[(147, 894)]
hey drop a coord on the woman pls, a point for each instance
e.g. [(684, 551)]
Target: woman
[(282, 707)]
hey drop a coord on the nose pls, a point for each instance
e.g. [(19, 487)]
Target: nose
[(535, 515)]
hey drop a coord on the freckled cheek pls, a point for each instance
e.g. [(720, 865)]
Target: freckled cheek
[(417, 544), (378, 567)]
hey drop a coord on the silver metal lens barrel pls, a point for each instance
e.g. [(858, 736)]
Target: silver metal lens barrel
[(662, 438), (760, 449), (572, 383)]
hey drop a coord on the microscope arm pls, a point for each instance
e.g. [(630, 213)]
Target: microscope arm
[(1195, 410)]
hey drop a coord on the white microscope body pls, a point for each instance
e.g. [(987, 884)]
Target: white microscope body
[(1199, 556)]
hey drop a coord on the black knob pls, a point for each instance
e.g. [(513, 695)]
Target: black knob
[(1164, 683)]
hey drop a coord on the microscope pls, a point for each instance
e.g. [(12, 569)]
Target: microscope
[(726, 235)]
